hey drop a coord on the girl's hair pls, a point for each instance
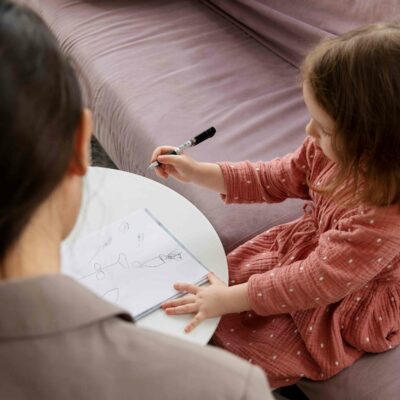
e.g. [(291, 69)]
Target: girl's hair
[(355, 78), (40, 110)]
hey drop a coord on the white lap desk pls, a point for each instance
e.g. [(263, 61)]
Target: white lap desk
[(111, 194)]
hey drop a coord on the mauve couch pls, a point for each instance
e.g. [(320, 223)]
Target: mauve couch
[(158, 72)]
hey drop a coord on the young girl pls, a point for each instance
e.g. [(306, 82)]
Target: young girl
[(309, 298)]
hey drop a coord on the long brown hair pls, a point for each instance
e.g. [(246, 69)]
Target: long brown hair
[(40, 110), (355, 78)]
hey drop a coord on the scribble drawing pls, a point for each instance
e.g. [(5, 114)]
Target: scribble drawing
[(124, 227), (155, 262), (100, 275), (112, 295), (160, 260), (123, 260), (140, 239), (101, 247), (99, 269)]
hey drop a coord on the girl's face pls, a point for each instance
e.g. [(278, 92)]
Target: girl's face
[(321, 126)]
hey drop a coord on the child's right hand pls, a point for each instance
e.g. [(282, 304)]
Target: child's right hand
[(181, 167)]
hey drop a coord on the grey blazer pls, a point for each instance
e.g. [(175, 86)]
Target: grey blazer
[(59, 341)]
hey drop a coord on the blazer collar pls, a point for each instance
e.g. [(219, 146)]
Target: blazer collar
[(50, 304)]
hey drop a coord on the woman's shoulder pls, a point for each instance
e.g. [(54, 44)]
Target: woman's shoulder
[(63, 323), (148, 353)]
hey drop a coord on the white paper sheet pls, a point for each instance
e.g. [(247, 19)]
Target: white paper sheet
[(132, 262)]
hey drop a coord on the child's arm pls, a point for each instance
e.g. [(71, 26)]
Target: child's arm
[(347, 258), (245, 182), (342, 265), (272, 181), (208, 301), (185, 169)]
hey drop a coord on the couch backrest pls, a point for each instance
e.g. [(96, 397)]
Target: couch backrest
[(290, 28)]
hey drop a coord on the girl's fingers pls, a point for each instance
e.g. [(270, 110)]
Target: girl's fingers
[(164, 170), (186, 287), (154, 155), (169, 169), (185, 309), (179, 302), (213, 278), (160, 171), (168, 159), (198, 318), (160, 150), (174, 161)]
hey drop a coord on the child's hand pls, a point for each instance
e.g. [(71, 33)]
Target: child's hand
[(181, 167), (203, 301), (185, 169)]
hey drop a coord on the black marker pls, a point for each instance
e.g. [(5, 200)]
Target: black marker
[(210, 132)]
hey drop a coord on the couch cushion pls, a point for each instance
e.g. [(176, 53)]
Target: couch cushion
[(291, 28), (160, 72), (375, 376)]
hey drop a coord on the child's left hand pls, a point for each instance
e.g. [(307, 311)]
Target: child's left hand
[(203, 301)]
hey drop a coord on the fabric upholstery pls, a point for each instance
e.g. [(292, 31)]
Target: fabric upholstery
[(291, 28), (158, 80)]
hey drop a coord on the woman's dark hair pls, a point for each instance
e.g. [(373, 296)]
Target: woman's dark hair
[(40, 110), (355, 78)]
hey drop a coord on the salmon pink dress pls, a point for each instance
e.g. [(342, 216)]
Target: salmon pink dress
[(323, 289)]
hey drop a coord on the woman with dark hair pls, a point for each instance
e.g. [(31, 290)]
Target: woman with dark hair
[(57, 339)]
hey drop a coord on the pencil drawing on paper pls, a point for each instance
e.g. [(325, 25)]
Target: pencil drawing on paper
[(100, 248), (160, 260), (140, 239), (155, 262), (133, 262), (112, 295), (124, 227), (122, 261)]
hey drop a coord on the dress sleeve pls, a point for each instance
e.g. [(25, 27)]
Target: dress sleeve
[(272, 181), (370, 318), (343, 262)]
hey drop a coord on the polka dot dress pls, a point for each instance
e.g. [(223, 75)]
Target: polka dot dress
[(323, 289)]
